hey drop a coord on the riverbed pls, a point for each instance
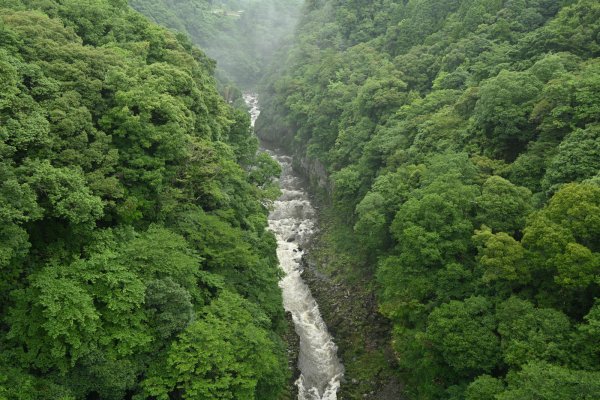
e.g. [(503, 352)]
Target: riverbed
[(292, 220)]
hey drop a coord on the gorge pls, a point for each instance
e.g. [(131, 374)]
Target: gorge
[(312, 200), (292, 219)]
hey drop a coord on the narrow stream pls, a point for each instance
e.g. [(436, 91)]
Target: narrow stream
[(292, 220)]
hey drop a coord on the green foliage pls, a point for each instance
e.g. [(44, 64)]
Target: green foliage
[(56, 319), (463, 332), (503, 108), (589, 334), (563, 236), (501, 257), (227, 354), (133, 218), (484, 387), (581, 145), (532, 334), (461, 144), (502, 205), (170, 307), (550, 382)]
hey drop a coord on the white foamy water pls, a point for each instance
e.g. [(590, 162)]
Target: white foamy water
[(292, 221), (251, 100)]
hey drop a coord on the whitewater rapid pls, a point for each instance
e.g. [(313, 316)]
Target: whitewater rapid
[(292, 220)]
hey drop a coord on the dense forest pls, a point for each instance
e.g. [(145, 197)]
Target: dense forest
[(453, 147), (456, 149), (242, 35), (134, 258)]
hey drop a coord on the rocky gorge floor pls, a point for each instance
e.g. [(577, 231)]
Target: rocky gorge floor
[(360, 332)]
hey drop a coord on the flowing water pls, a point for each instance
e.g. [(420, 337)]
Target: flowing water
[(292, 220)]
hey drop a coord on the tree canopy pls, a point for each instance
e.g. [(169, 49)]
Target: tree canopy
[(460, 140), (134, 255)]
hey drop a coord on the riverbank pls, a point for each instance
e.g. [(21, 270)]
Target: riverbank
[(360, 332), (292, 341)]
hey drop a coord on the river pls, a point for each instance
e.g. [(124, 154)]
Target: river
[(292, 220)]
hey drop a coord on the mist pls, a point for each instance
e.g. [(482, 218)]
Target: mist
[(241, 35)]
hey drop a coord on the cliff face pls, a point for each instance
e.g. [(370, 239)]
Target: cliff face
[(277, 135), (316, 174)]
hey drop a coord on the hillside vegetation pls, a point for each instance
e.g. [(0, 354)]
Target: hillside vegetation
[(242, 35), (462, 143), (134, 258)]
